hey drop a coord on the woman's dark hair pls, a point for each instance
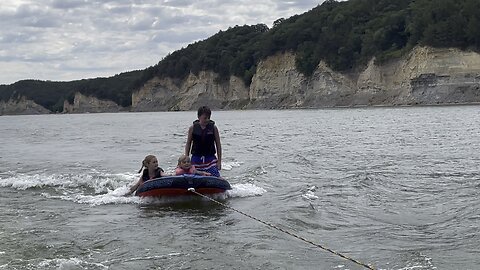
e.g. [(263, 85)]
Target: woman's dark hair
[(204, 110)]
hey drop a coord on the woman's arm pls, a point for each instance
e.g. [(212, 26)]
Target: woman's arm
[(188, 145), (218, 144)]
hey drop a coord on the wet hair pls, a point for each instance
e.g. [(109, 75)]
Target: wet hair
[(204, 110), (183, 158), (145, 161)]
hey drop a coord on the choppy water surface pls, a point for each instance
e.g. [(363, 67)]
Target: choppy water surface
[(394, 187)]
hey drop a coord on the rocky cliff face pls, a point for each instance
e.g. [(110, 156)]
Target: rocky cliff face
[(204, 89), (277, 84), (21, 106), (83, 104), (424, 76)]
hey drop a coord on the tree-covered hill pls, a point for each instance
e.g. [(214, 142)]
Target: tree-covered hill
[(346, 35), (51, 95)]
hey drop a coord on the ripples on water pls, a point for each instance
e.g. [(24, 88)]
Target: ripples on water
[(394, 187)]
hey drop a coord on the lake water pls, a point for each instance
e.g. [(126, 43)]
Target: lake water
[(397, 188)]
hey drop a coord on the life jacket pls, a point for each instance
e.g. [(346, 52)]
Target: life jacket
[(146, 176), (203, 139)]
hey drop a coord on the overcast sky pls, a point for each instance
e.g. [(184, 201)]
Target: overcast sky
[(62, 40)]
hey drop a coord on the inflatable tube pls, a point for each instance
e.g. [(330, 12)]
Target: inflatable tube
[(179, 185)]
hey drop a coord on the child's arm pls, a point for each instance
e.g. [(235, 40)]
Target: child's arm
[(202, 173), (135, 187), (178, 171)]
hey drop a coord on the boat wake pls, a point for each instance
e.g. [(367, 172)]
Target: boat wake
[(98, 188)]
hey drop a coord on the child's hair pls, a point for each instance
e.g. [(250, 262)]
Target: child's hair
[(145, 161), (183, 158), (204, 110)]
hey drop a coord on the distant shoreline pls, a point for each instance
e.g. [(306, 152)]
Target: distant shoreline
[(272, 109)]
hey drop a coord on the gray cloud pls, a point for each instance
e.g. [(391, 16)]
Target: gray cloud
[(177, 3), (13, 38), (286, 4), (69, 4), (75, 39), (177, 37)]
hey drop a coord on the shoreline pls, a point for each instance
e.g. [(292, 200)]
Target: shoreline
[(460, 104)]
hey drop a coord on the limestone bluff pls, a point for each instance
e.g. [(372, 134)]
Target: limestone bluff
[(425, 76)]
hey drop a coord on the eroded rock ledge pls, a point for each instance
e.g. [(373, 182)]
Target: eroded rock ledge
[(425, 76)]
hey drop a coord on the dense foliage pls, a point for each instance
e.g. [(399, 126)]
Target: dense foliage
[(346, 35), (343, 34), (235, 51)]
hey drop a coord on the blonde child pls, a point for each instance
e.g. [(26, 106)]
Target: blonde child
[(185, 166), (151, 171)]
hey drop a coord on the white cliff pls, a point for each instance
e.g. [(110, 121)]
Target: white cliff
[(424, 76), (83, 104), (21, 105), (196, 90)]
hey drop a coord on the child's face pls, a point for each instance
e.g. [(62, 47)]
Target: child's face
[(153, 164), (185, 164), (203, 119)]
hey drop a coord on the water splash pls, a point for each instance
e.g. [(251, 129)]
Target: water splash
[(229, 165), (421, 261), (116, 196), (71, 263), (100, 182), (310, 193), (245, 190), (99, 188)]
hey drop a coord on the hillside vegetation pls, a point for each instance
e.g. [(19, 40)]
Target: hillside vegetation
[(346, 35)]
